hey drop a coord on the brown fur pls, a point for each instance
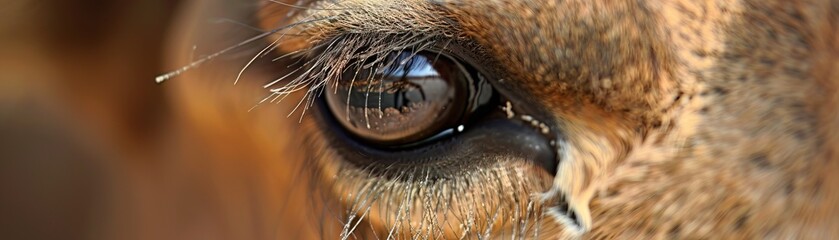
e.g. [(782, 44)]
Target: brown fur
[(685, 119)]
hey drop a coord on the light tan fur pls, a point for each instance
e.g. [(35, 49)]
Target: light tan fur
[(683, 119)]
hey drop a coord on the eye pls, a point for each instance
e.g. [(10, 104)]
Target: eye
[(440, 123), (395, 112), (408, 98)]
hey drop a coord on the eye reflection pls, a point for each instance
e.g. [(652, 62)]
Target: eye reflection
[(407, 97)]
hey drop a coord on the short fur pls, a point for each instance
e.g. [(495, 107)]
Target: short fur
[(683, 119)]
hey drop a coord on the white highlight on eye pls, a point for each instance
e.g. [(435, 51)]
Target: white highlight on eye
[(460, 128)]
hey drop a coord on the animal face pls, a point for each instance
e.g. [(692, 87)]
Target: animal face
[(363, 119), (531, 119)]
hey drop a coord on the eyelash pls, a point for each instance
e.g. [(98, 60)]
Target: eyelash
[(323, 63)]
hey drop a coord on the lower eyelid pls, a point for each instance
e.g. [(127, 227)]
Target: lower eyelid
[(503, 145)]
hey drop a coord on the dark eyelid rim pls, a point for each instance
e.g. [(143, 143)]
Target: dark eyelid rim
[(468, 50), (471, 156), (473, 54)]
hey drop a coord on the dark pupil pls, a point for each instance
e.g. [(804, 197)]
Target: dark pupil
[(405, 97)]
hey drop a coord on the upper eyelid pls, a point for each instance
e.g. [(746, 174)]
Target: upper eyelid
[(358, 28), (325, 19)]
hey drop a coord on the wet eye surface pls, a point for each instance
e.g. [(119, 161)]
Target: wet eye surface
[(438, 112), (401, 128), (410, 98)]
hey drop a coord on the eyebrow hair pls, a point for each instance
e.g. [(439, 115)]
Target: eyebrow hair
[(332, 36), (358, 16)]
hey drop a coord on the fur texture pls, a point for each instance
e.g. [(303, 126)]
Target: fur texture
[(681, 119)]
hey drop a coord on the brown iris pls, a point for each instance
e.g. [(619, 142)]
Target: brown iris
[(407, 97)]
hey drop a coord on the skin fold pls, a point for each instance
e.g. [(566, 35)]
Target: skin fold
[(678, 119)]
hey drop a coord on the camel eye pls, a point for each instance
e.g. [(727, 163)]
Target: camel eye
[(408, 98)]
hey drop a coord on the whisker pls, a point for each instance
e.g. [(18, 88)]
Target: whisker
[(308, 8), (196, 63), (237, 23)]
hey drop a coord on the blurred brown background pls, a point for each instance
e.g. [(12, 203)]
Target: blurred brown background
[(75, 94), (92, 148)]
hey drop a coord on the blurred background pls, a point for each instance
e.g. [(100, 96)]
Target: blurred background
[(75, 78), (92, 148)]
